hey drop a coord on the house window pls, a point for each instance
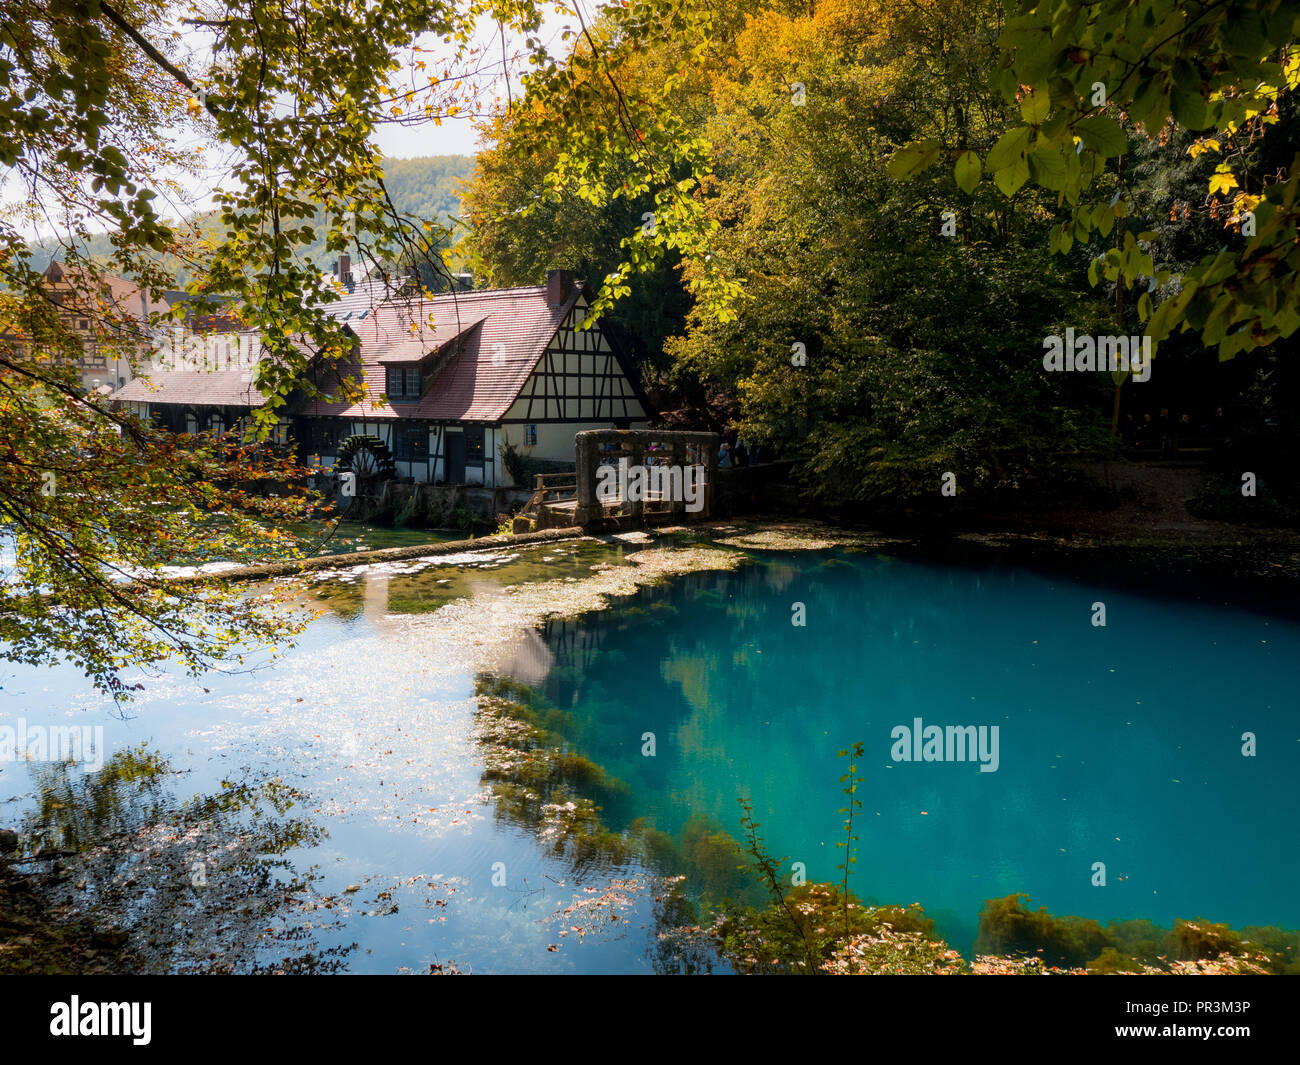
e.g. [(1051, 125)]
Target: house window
[(404, 382), (324, 437), (83, 325), (473, 445), (191, 424), (530, 436), (413, 444), (216, 424)]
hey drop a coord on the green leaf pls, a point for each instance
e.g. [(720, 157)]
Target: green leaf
[(1187, 100), (913, 158), (1035, 54), (1047, 166), (1011, 178), (1216, 325), (1009, 148), (1036, 106), (1103, 135), (1150, 104), (967, 171)]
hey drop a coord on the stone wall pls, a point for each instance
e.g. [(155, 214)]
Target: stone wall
[(427, 506)]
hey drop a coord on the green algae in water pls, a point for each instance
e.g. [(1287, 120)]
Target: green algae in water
[(445, 579)]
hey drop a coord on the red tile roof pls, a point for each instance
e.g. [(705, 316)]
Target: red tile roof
[(216, 388), (502, 335), (102, 294), (231, 387)]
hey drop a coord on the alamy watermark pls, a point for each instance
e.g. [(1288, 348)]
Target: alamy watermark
[(951, 743), (675, 484), (77, 1018), (204, 352), (1100, 353), (82, 744)]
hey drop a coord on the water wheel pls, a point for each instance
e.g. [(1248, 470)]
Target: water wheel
[(368, 459)]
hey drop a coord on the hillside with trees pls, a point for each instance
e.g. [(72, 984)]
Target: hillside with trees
[(424, 189)]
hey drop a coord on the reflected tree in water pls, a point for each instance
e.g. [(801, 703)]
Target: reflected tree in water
[(209, 884)]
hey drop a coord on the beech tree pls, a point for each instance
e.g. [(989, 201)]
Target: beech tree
[(874, 329), (104, 106), (1087, 77)]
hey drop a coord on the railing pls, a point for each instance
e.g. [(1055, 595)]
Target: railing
[(558, 486)]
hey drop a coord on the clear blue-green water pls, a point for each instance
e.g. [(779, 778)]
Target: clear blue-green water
[(1119, 745), (370, 720)]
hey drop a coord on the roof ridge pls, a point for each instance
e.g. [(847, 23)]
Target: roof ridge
[(478, 293)]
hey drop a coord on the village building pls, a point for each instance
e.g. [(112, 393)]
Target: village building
[(446, 384), (109, 315)]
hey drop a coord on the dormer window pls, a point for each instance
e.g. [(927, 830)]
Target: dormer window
[(404, 383)]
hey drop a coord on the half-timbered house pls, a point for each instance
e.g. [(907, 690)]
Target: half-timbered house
[(439, 385), (452, 379)]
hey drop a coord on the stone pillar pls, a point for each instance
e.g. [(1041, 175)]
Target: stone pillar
[(712, 466), (635, 508), (679, 461), (586, 457)]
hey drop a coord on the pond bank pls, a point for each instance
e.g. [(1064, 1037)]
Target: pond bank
[(1191, 557), (35, 939)]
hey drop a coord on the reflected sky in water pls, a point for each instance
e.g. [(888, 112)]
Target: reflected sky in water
[(370, 723)]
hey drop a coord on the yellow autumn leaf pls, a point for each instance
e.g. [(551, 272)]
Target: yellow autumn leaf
[(1221, 183)]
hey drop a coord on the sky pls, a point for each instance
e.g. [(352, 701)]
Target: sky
[(456, 136)]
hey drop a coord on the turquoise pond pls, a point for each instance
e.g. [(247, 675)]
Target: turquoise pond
[(1119, 745)]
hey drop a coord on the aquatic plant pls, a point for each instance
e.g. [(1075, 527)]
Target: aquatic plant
[(1008, 928), (890, 952), (537, 781), (850, 782), (823, 928)]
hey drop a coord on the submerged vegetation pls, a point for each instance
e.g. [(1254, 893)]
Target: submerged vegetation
[(135, 878), (723, 900)]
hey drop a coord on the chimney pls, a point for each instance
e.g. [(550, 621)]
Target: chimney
[(559, 287), (343, 269)]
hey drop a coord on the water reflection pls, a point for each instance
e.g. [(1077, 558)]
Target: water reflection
[(743, 703), (367, 726), (198, 885), (539, 783)]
